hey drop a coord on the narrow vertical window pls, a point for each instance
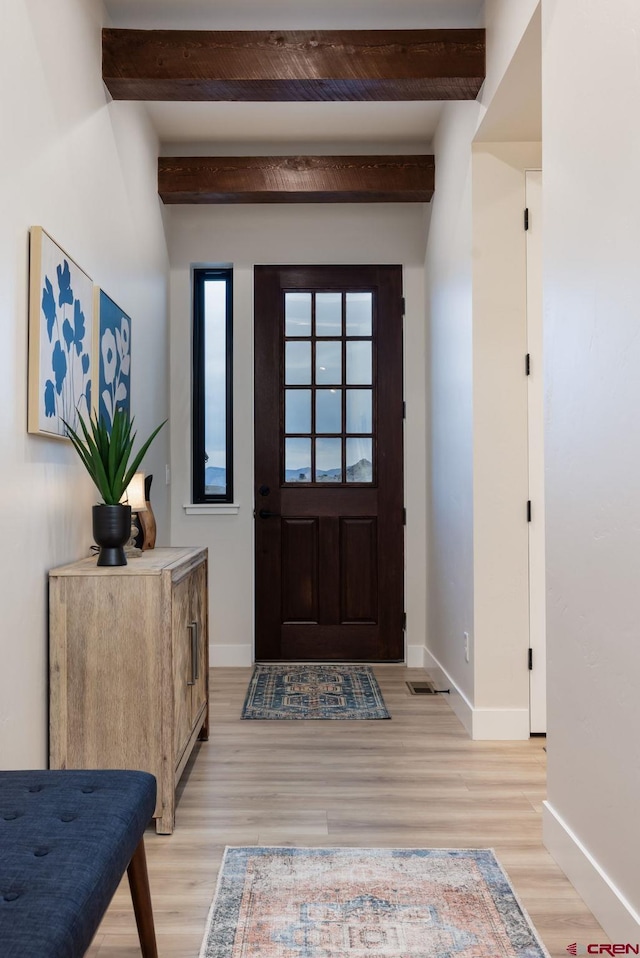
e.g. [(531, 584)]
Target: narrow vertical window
[(212, 386)]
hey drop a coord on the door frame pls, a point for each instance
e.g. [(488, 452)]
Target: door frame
[(535, 414)]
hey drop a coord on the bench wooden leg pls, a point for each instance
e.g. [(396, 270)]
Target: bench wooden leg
[(141, 897)]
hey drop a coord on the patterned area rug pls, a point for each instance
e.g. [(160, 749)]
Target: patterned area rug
[(314, 692), (366, 903)]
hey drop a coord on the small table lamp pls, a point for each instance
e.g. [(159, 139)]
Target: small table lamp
[(134, 497)]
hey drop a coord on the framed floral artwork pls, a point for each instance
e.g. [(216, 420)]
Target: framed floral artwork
[(114, 357), (60, 338)]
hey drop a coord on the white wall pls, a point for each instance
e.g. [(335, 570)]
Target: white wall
[(476, 298), (280, 234), (591, 82), (506, 23), (84, 169), (449, 377)]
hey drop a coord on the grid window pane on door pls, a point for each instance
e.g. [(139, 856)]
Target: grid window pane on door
[(328, 392)]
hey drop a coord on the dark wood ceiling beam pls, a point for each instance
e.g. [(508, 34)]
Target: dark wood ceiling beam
[(296, 179), (288, 65)]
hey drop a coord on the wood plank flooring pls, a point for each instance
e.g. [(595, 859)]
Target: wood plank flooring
[(414, 781)]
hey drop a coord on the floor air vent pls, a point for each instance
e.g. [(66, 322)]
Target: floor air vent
[(421, 688)]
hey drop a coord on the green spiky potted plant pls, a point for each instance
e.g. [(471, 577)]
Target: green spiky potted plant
[(105, 455)]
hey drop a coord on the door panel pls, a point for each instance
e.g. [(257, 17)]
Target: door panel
[(300, 570), (359, 570), (329, 500)]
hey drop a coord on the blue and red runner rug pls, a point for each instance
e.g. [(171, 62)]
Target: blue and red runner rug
[(366, 903), (314, 692)]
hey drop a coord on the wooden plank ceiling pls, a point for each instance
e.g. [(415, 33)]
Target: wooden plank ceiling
[(331, 65)]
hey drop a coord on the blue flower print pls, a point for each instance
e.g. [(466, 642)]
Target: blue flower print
[(122, 343), (49, 305), (59, 364), (66, 335), (67, 332), (114, 371), (78, 322), (64, 284), (109, 356), (49, 399)]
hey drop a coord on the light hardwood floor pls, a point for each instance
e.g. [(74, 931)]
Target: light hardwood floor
[(414, 781)]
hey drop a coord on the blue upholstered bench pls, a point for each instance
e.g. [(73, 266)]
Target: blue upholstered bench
[(66, 838)]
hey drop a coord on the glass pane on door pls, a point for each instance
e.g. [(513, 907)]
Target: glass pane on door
[(297, 364), (359, 460), (328, 410), (359, 370), (297, 314), (298, 411), (359, 314), (329, 363), (359, 411), (328, 460), (298, 460), (328, 314)]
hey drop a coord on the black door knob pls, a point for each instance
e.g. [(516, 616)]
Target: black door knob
[(266, 514)]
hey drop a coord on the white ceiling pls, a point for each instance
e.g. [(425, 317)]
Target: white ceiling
[(294, 127), (293, 14), (359, 127)]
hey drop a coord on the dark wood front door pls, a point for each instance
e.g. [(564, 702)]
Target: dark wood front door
[(328, 454)]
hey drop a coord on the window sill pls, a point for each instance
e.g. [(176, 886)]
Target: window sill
[(212, 508)]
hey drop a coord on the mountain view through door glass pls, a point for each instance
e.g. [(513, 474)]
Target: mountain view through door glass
[(215, 400), (328, 389)]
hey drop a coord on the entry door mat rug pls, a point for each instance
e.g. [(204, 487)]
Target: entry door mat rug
[(314, 692), (376, 902)]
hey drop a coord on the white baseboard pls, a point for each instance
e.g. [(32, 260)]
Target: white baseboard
[(482, 724), (616, 915), (456, 699), (415, 656), (509, 725), (230, 656)]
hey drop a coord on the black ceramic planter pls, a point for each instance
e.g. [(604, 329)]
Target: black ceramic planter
[(111, 530)]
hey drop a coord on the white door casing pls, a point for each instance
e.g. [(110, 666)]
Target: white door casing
[(537, 603)]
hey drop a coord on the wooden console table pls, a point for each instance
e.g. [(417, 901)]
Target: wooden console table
[(129, 666)]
